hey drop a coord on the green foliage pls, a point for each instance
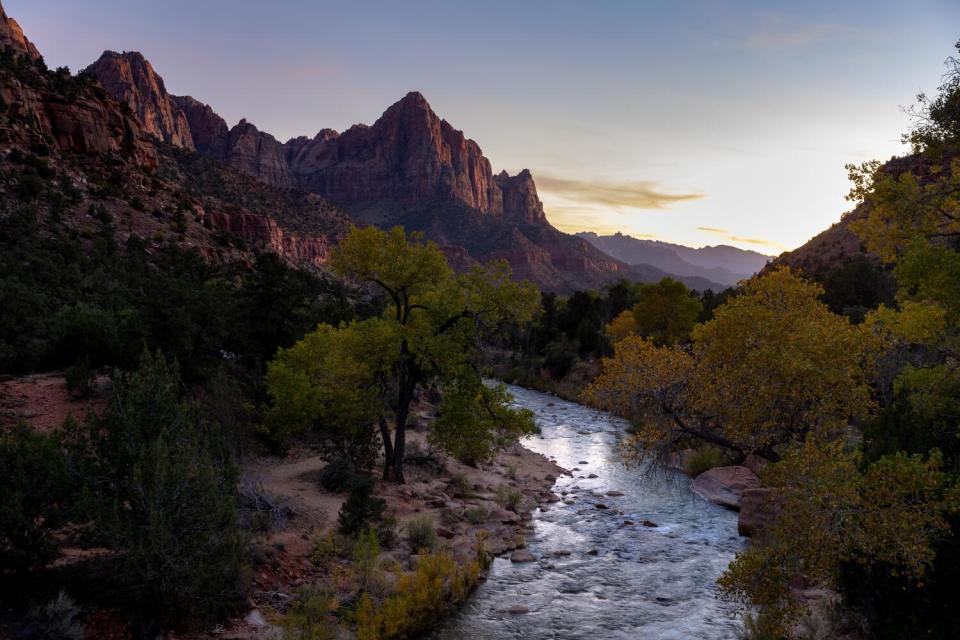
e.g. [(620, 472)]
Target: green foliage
[(420, 599), (36, 496), (703, 459), (361, 508), (310, 616), (351, 381), (476, 514), (509, 498), (366, 552), (666, 312), (421, 534), (475, 421), (170, 504), (338, 475)]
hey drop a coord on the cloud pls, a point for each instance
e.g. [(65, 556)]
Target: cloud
[(633, 195), (713, 230), (775, 34), (759, 241)]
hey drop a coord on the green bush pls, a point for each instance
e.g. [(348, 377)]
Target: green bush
[(421, 534), (36, 490), (361, 508), (704, 459), (310, 616), (509, 498), (79, 379), (339, 475), (477, 514), (170, 505)]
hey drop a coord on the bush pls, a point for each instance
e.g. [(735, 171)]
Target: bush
[(460, 484), (421, 598), (421, 534), (509, 498), (311, 616), (477, 514), (366, 552), (79, 379), (704, 459), (170, 505), (56, 620), (339, 475), (35, 492), (361, 507)]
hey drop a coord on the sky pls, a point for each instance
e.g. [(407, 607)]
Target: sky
[(698, 122)]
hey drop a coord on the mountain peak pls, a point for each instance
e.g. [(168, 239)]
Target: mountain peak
[(11, 35), (131, 79)]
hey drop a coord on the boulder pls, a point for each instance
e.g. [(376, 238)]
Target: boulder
[(522, 555), (758, 509), (725, 485)]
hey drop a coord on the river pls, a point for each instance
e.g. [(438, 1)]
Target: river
[(643, 583)]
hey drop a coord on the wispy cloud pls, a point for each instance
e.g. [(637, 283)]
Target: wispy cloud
[(632, 195), (779, 33), (722, 232), (758, 241)]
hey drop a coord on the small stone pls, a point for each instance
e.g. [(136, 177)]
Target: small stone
[(518, 609), (614, 494), (649, 523), (592, 476), (255, 619), (522, 555), (443, 532), (628, 523), (600, 505), (593, 552), (584, 462), (561, 552)]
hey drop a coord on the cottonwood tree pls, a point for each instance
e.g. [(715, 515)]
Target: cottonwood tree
[(772, 365), (360, 378)]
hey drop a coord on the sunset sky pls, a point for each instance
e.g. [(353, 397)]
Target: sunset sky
[(695, 122)]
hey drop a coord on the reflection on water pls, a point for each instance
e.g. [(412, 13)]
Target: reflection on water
[(620, 580)]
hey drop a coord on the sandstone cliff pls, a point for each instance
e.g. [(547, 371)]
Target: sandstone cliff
[(133, 82), (11, 35), (409, 168)]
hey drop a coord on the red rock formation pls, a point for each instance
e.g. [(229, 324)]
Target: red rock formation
[(258, 154), (209, 131), (132, 81), (11, 35), (264, 232)]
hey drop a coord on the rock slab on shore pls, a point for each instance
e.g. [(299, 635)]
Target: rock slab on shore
[(725, 485)]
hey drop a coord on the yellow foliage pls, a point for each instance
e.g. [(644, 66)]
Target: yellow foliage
[(421, 597), (620, 327)]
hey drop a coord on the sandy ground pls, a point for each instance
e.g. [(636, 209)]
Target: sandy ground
[(43, 400)]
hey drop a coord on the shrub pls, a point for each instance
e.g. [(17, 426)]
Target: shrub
[(509, 498), (366, 551), (79, 379), (170, 505), (361, 507), (35, 490), (57, 620), (421, 534), (339, 475), (704, 459), (477, 514), (460, 484), (421, 598), (311, 616)]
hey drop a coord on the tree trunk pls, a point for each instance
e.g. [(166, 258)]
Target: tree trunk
[(408, 383), (387, 448)]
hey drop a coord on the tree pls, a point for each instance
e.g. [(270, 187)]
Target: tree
[(161, 490), (772, 366), (625, 324), (366, 373), (666, 311)]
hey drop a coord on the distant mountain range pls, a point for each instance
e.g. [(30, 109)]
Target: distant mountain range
[(723, 265)]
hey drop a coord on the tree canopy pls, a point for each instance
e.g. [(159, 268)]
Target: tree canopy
[(345, 380)]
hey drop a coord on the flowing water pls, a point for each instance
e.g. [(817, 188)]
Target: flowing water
[(645, 583)]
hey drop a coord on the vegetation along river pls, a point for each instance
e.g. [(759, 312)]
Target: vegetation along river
[(644, 582)]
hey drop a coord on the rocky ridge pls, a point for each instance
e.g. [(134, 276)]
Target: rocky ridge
[(409, 168)]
